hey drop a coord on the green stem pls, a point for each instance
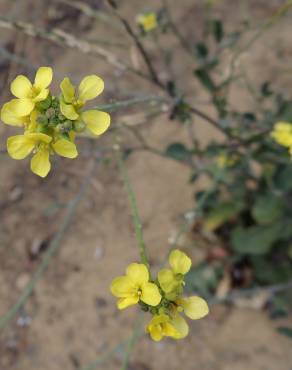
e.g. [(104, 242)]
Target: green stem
[(134, 208)]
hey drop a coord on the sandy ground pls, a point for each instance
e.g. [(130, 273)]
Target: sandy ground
[(73, 316)]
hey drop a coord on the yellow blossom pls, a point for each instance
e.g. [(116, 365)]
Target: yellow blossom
[(135, 286), (90, 87), (194, 307), (164, 326), (29, 94), (172, 279), (282, 134), (223, 161), (147, 21), (42, 145)]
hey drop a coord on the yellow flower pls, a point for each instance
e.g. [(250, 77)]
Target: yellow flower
[(282, 134), (29, 94), (171, 280), (223, 161), (194, 307), (147, 21), (135, 286), (20, 146), (164, 326), (90, 87)]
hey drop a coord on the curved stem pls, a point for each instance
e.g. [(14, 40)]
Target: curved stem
[(134, 208)]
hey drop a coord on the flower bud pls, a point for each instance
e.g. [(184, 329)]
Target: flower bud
[(79, 126)]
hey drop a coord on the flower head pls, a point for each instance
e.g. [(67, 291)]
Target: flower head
[(50, 123), (162, 298), (282, 134), (172, 279), (164, 326), (134, 287), (147, 21), (29, 94), (42, 145), (71, 103)]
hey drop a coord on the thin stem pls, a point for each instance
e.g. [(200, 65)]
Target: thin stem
[(63, 38), (53, 248), (134, 208), (138, 43), (132, 341), (128, 103)]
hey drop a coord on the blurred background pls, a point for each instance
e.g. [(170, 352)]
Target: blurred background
[(69, 321)]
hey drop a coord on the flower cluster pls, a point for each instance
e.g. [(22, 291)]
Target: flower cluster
[(282, 134), (162, 297), (50, 123)]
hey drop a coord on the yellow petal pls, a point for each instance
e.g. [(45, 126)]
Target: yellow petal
[(9, 118), (179, 262), (155, 327), (32, 121), (160, 326), (167, 280), (96, 121), (126, 302), (65, 148), (181, 326), (21, 107), (156, 333), (150, 294), (43, 94), (43, 77), (122, 287), (19, 146), (21, 87), (195, 307), (39, 137), (90, 87), (138, 273), (68, 111), (40, 162), (68, 90)]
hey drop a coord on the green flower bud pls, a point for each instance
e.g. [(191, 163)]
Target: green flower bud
[(55, 103), (42, 119), (45, 104), (50, 112), (60, 128), (79, 126), (42, 129), (68, 125)]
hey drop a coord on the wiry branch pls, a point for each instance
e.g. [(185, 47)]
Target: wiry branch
[(138, 44), (63, 38)]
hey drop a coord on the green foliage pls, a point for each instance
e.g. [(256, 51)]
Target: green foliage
[(178, 151), (267, 209), (287, 331), (258, 239)]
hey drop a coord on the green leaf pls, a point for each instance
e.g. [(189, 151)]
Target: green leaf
[(267, 209), (222, 213), (283, 178), (267, 272), (201, 50), (217, 30), (205, 79), (257, 239), (284, 330), (178, 151)]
